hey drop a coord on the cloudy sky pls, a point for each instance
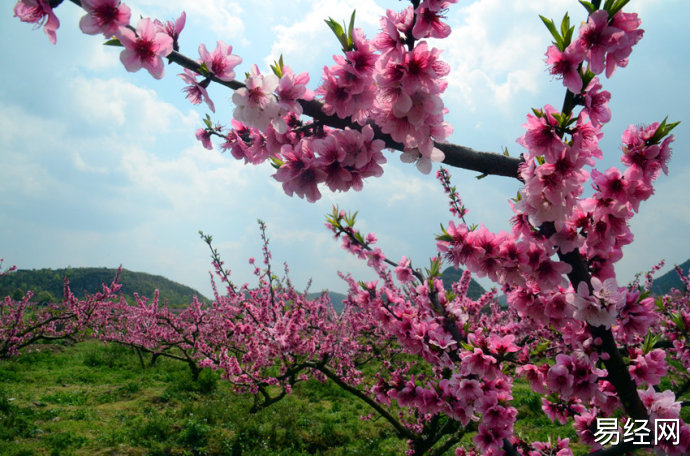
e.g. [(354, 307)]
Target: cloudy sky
[(100, 167)]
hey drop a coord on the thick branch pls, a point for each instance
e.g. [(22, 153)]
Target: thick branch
[(618, 373), (457, 156), (401, 430), (488, 163)]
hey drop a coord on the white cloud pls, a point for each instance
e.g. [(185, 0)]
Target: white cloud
[(306, 40), (496, 50), (110, 103), (222, 17)]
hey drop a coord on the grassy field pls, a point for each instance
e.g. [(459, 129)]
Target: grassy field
[(95, 399)]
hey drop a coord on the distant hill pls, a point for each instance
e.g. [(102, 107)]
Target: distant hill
[(666, 282), (88, 280), (451, 275), (336, 299)]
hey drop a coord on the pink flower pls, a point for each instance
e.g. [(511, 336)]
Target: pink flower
[(292, 88), (601, 308), (478, 363), (535, 376), (221, 62), (104, 16), (565, 64), (660, 404), (585, 425), (429, 24), (145, 48), (597, 103), (403, 271), (423, 68), (500, 345), (559, 380), (172, 29), (649, 368), (390, 42), (597, 37), (611, 186), (40, 13), (256, 105), (204, 136), (629, 23), (636, 316), (348, 87), (300, 173), (332, 156), (196, 92), (542, 137)]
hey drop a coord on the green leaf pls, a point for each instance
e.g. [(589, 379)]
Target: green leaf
[(566, 31), (203, 69), (659, 303), (587, 78), (588, 6), (616, 7), (650, 341), (662, 131), (434, 268), (276, 162), (352, 25), (335, 27), (677, 319), (113, 42), (541, 347), (554, 32), (207, 122), (277, 67)]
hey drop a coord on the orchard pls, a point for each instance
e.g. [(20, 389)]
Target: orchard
[(606, 357)]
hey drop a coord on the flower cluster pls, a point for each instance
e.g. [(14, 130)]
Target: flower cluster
[(348, 89), (24, 322), (408, 105)]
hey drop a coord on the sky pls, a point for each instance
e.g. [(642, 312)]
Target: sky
[(100, 167)]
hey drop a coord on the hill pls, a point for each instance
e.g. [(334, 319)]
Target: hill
[(336, 299), (451, 275), (666, 282), (49, 284)]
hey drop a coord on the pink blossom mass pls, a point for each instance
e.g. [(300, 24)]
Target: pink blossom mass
[(104, 16), (145, 48)]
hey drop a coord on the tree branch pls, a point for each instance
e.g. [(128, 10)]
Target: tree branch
[(457, 156), (401, 430)]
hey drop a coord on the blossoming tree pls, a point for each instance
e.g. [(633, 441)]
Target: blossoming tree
[(579, 338)]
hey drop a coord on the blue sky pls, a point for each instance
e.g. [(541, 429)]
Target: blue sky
[(100, 167)]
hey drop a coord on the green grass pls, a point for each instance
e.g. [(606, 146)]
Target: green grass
[(95, 399)]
